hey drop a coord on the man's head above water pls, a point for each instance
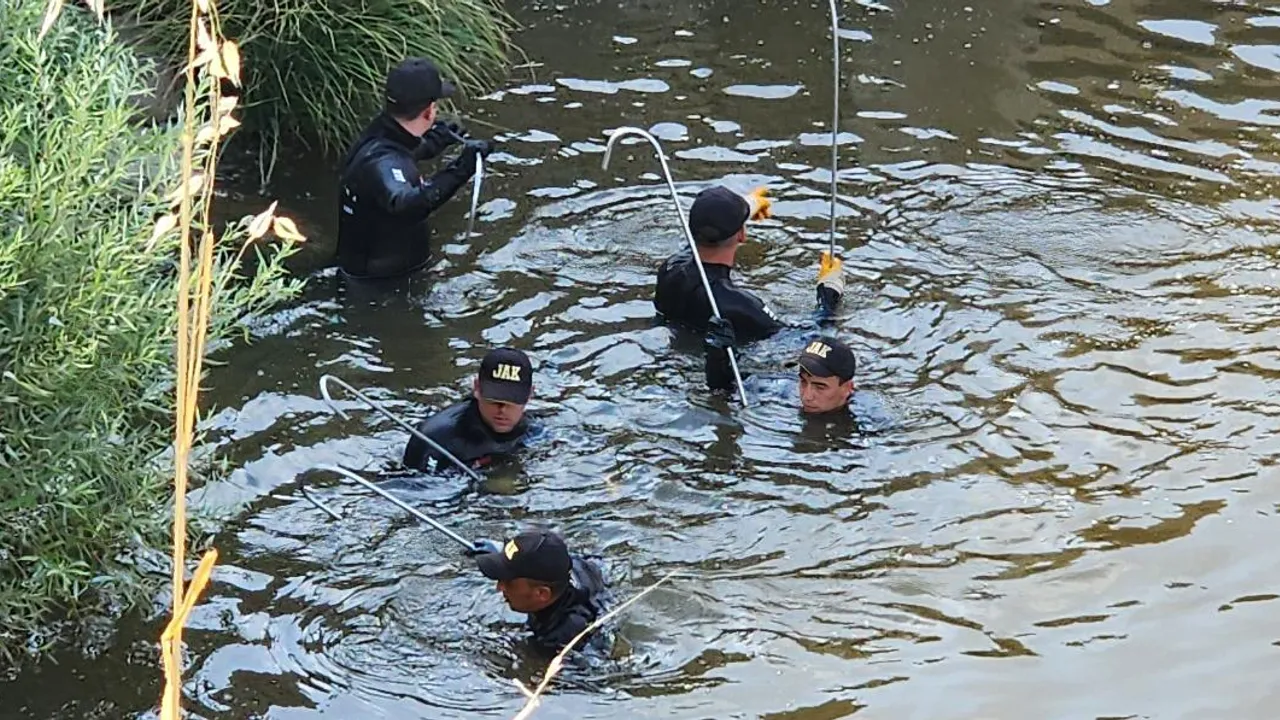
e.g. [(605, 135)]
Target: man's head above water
[(532, 571), (413, 88), (826, 368), (503, 388), (718, 221)]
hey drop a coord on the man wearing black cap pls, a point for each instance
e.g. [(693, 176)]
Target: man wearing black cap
[(490, 423), (561, 594), (717, 221), (826, 367), (384, 202)]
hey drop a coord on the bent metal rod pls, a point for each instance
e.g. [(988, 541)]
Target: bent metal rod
[(684, 225), (306, 493), (324, 390)]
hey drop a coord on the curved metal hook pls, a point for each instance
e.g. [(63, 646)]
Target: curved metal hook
[(306, 495), (835, 115), (675, 197), (475, 186), (475, 196), (684, 225), (397, 501), (324, 390)]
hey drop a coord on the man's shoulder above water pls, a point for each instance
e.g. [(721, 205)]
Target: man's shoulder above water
[(587, 599), (443, 428), (681, 298), (447, 420), (460, 430), (679, 272)]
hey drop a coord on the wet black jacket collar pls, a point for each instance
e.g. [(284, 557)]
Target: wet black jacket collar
[(462, 431), (556, 625), (384, 202), (386, 126)]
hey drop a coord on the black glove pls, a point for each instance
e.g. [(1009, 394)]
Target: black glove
[(471, 150), (446, 134), (720, 333), (483, 547), (439, 138)]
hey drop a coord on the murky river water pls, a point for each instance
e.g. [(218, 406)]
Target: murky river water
[(1058, 225)]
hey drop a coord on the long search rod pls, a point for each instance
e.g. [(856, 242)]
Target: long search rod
[(475, 196), (475, 187), (324, 390), (397, 501), (835, 116), (684, 225)]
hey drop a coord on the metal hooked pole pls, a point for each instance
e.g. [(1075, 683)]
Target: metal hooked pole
[(475, 187), (397, 501), (835, 116), (324, 390), (684, 225), (475, 196)]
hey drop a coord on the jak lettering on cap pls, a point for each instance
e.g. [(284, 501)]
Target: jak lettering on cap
[(506, 375), (827, 357)]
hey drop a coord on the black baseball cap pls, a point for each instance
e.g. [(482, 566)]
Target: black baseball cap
[(536, 555), (506, 375), (416, 83), (718, 213), (827, 357)]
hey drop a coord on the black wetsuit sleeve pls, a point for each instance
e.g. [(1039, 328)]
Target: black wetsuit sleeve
[(430, 148), (417, 454), (828, 301), (399, 193), (751, 319), (436, 140), (553, 640)]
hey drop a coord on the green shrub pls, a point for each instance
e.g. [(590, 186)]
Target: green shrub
[(87, 319), (314, 69)]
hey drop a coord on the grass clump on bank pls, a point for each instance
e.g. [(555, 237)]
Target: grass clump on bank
[(314, 69), (87, 323)]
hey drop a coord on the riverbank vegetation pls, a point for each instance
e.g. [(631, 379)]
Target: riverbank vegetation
[(314, 69), (97, 230)]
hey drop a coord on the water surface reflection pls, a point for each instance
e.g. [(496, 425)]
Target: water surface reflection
[(1057, 230)]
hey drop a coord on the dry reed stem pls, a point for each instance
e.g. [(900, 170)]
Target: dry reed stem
[(169, 640), (207, 49), (219, 58), (557, 663), (188, 360)]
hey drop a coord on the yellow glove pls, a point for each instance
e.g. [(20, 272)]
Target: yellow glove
[(830, 280), (760, 203), (829, 268)]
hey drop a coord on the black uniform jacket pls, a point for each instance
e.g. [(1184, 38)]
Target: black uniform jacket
[(586, 599), (460, 430), (681, 299), (384, 202)]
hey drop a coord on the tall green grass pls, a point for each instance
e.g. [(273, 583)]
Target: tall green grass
[(87, 321), (314, 69)]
